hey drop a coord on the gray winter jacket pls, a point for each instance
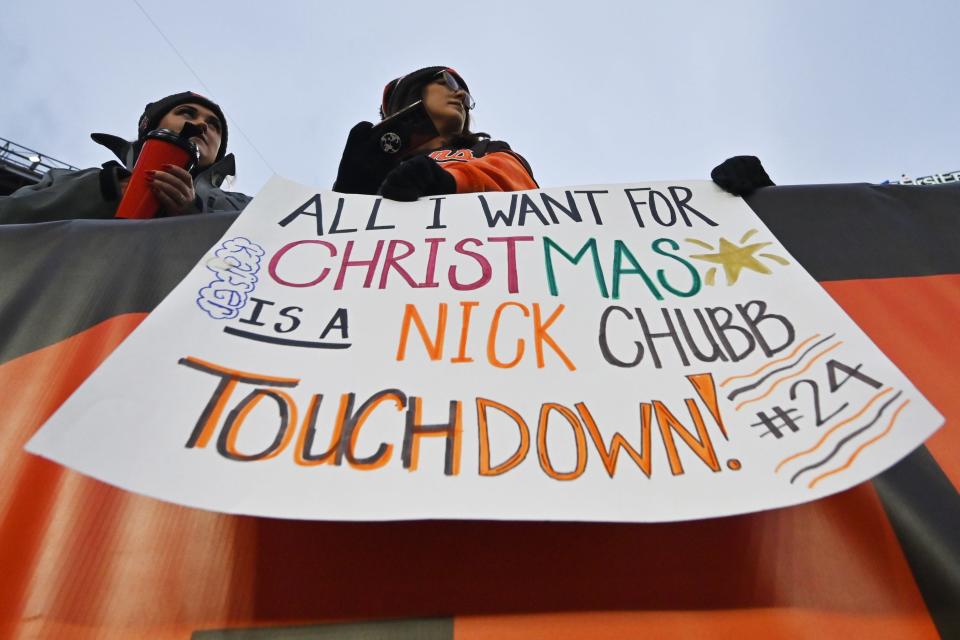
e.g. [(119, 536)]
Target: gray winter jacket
[(63, 194)]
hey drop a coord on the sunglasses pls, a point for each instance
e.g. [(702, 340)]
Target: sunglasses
[(454, 86)]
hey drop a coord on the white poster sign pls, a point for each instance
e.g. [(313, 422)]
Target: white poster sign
[(639, 352)]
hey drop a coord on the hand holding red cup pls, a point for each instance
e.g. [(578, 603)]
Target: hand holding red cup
[(161, 176)]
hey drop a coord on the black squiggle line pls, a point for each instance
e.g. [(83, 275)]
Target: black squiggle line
[(847, 439), (285, 341), (756, 384)]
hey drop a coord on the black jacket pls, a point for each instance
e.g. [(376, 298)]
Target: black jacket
[(63, 194)]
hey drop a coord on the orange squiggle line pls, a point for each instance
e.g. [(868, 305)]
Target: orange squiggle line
[(832, 429), (772, 362), (792, 375), (866, 444)]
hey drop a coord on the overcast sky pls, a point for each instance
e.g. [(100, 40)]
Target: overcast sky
[(589, 92)]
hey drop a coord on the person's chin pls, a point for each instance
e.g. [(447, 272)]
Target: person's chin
[(201, 145), (457, 120), (205, 158)]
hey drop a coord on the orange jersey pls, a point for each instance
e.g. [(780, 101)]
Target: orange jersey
[(488, 166)]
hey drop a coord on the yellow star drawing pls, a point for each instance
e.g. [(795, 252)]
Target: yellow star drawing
[(734, 258)]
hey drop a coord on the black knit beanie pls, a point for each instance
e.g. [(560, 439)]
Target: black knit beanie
[(405, 90), (154, 111)]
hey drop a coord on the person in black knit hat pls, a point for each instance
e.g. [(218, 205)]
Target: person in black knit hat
[(95, 193), (454, 160), (155, 112)]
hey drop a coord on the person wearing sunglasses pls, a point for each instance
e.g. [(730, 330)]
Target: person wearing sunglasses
[(454, 160)]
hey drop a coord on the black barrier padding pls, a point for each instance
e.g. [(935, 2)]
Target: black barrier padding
[(60, 278), (924, 509), (850, 232)]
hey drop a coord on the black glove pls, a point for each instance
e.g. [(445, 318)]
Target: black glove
[(741, 175), (110, 176), (363, 165), (417, 177)]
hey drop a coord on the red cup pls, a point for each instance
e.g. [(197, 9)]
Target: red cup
[(161, 147)]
